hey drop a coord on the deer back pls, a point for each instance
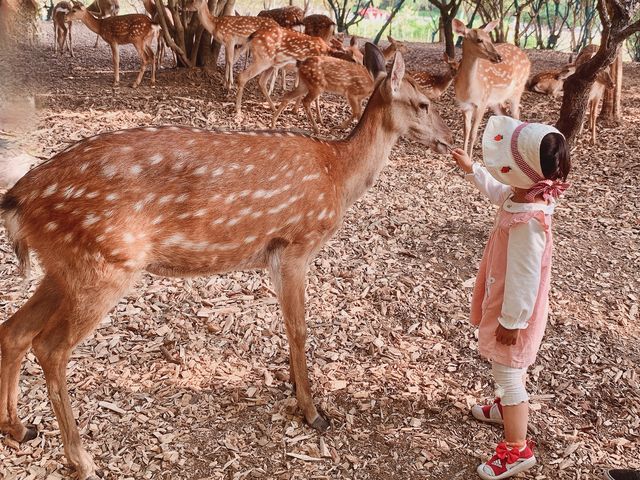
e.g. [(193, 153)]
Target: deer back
[(284, 45), (286, 17), (126, 28), (178, 200), (336, 75)]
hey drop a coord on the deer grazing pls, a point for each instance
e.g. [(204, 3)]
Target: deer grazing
[(61, 28), (119, 30), (489, 75), (328, 74), (274, 47), (434, 85), (103, 9), (228, 31), (156, 199)]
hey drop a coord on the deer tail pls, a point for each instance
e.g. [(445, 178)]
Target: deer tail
[(10, 212)]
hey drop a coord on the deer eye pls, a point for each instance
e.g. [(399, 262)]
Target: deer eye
[(424, 106), (479, 40)]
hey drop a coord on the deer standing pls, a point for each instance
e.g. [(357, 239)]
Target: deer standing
[(489, 75), (61, 28), (152, 9), (156, 199), (120, 30), (228, 31), (434, 85), (103, 9), (328, 74)]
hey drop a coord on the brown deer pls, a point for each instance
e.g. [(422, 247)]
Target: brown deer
[(489, 75), (286, 17), (156, 199), (103, 9), (152, 9), (550, 82), (274, 47), (434, 85), (319, 26), (61, 28), (120, 30), (228, 31), (328, 74), (394, 46)]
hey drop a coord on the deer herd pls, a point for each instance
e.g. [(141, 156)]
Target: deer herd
[(182, 201)]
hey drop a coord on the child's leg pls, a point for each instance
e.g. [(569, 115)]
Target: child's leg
[(515, 402)]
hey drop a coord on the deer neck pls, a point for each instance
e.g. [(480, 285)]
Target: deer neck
[(467, 72), (207, 20), (365, 152), (92, 22)]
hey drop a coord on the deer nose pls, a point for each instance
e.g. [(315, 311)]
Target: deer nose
[(497, 58)]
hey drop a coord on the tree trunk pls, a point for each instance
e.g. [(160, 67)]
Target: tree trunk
[(395, 10), (611, 113)]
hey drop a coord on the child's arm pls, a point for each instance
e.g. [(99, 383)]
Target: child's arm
[(522, 279), (495, 191)]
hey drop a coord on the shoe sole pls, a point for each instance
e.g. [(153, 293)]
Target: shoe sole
[(481, 418), (521, 467)]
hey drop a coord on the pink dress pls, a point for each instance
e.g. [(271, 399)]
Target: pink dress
[(512, 285)]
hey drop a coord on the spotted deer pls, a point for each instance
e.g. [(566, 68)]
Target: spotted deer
[(275, 47), (489, 75), (61, 28), (228, 31), (320, 26), (286, 17), (434, 85), (550, 82), (103, 9), (180, 201), (152, 9), (328, 74), (394, 46)]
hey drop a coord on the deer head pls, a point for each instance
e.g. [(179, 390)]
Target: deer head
[(78, 10), (408, 111), (477, 41), (452, 63), (396, 45)]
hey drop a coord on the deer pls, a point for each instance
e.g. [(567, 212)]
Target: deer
[(320, 26), (228, 31), (103, 9), (274, 47), (328, 74), (489, 75), (136, 29), (549, 82), (434, 85), (154, 198), (152, 9), (287, 17), (393, 47), (61, 28)]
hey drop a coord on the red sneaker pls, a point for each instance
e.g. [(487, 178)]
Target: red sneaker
[(491, 413), (506, 462)]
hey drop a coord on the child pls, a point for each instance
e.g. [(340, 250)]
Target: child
[(526, 164)]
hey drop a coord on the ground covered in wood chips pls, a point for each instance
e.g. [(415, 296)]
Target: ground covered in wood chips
[(184, 379)]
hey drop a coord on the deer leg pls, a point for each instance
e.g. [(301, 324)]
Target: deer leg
[(593, 117), (318, 111), (272, 83), (116, 64), (97, 38), (262, 82), (468, 115), (286, 99), (288, 272), (142, 53), (16, 335), (477, 118), (55, 38), (78, 314), (306, 103), (152, 55), (355, 104), (256, 68), (70, 42), (515, 106), (230, 53)]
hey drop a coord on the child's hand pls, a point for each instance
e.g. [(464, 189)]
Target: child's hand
[(462, 159), (506, 336)]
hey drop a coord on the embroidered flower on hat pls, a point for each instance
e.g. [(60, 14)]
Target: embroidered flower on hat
[(505, 169), (498, 137)]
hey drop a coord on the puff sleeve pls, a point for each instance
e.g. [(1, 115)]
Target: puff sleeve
[(495, 191)]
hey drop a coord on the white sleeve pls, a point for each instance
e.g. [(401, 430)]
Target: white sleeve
[(495, 191), (522, 279)]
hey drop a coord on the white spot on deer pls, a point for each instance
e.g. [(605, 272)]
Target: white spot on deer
[(155, 159), (322, 214), (218, 171), (278, 209), (111, 197), (101, 238), (250, 239), (321, 197), (218, 221), (138, 206), (174, 239), (50, 226), (92, 194), (196, 130), (68, 237), (156, 220), (165, 198), (50, 190), (109, 170), (182, 216), (248, 168), (234, 166), (230, 198), (257, 214), (244, 193), (233, 221), (273, 230), (128, 237), (181, 198), (313, 176), (119, 132), (200, 170), (84, 167), (177, 166), (109, 229), (200, 212), (68, 192), (90, 219), (135, 169), (294, 219), (244, 211), (246, 150), (173, 129), (289, 174), (150, 129), (272, 178)]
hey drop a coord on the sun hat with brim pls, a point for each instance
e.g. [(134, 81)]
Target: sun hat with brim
[(511, 150)]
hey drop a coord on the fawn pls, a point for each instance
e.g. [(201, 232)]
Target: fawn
[(434, 85), (61, 28), (119, 30), (181, 201), (329, 74)]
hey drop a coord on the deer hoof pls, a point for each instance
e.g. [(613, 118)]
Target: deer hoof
[(321, 423), (30, 433)]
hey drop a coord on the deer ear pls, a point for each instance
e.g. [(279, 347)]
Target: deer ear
[(459, 27), (490, 26), (397, 72), (374, 60), (353, 42), (390, 39)]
